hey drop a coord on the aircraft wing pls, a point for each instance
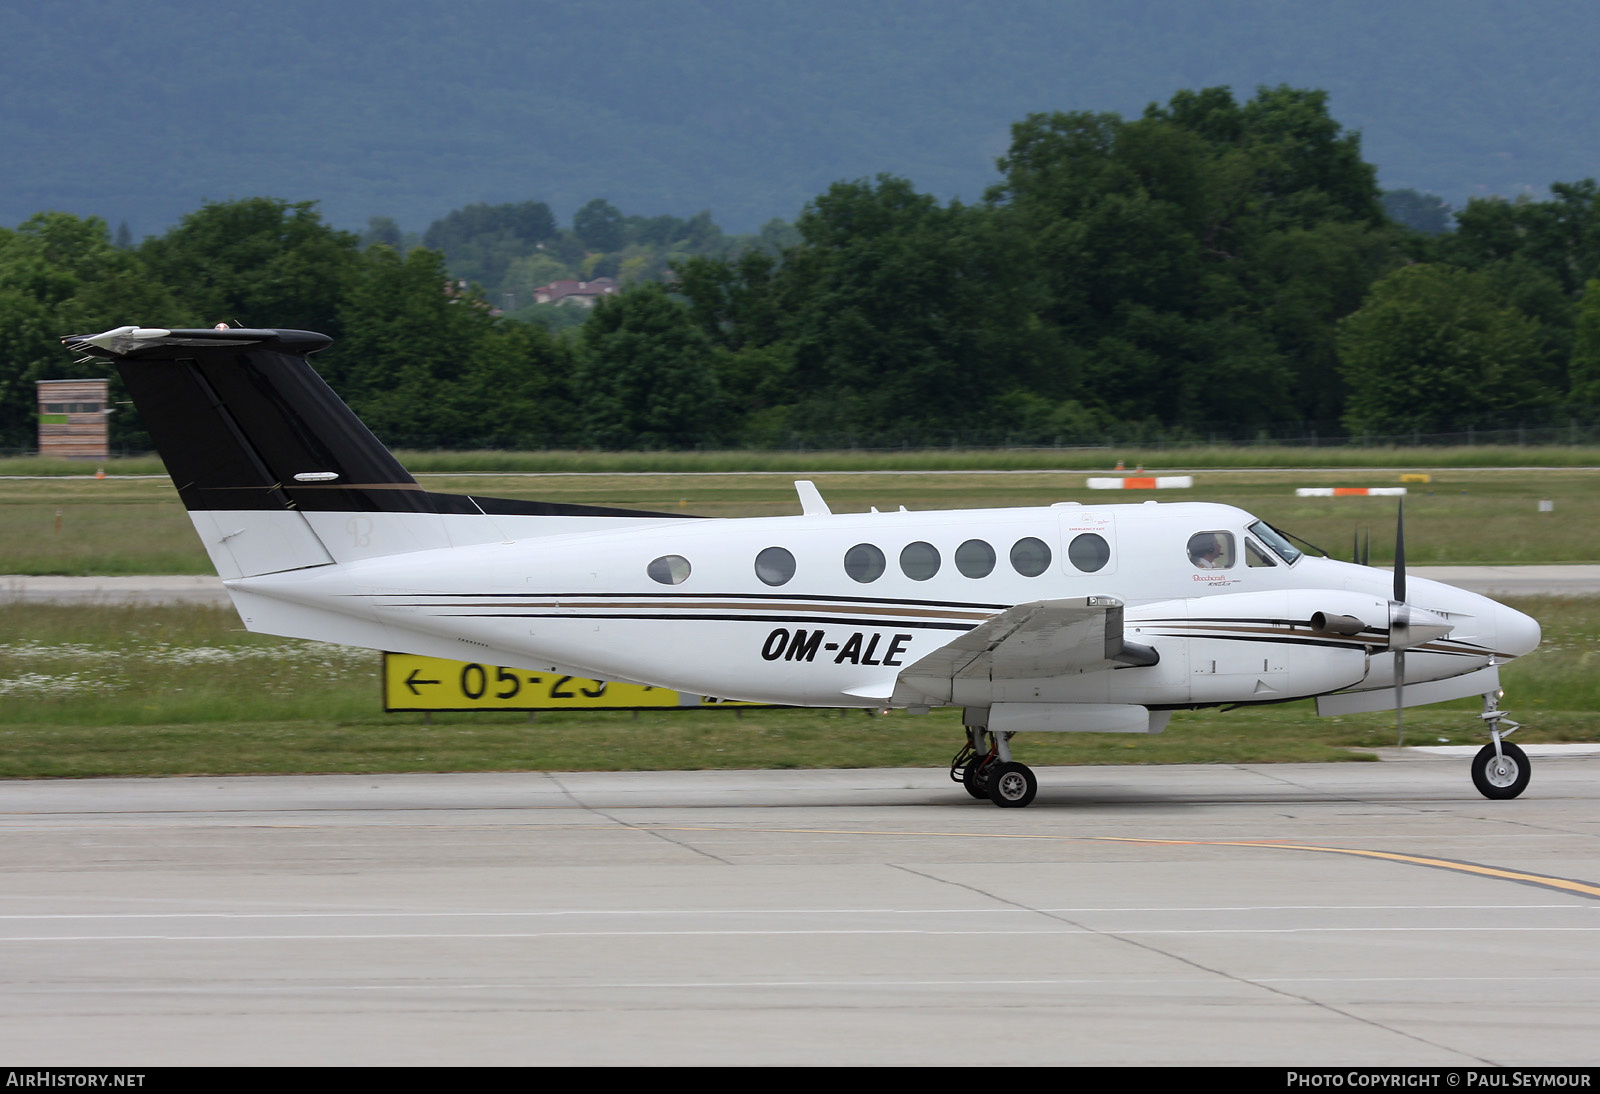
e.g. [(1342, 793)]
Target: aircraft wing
[(1039, 638)]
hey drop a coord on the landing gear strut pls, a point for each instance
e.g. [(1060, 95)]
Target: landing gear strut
[(969, 768), (1500, 769), (984, 767)]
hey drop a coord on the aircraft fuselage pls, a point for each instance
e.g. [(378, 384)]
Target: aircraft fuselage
[(839, 628)]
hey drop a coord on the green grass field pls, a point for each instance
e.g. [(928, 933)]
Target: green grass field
[(57, 525)]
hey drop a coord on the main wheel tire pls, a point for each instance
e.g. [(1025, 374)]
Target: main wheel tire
[(975, 780), (1503, 776), (1011, 785)]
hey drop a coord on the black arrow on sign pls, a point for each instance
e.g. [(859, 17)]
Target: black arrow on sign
[(412, 682)]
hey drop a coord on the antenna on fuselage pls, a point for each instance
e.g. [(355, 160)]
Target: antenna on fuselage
[(503, 537), (1361, 552)]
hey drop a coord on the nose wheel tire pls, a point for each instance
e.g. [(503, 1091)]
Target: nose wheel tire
[(1011, 785), (1502, 776)]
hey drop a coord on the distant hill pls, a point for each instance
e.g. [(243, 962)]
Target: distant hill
[(138, 111)]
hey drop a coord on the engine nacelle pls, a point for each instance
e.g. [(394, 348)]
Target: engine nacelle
[(1228, 648), (1260, 647)]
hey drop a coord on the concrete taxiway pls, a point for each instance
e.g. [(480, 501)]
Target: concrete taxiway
[(1359, 913)]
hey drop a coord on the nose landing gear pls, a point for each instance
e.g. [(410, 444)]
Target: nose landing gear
[(1500, 769)]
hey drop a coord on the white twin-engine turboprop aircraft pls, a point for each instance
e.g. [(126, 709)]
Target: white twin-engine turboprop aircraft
[(1102, 618)]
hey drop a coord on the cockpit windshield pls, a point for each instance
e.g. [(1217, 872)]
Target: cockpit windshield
[(1272, 538)]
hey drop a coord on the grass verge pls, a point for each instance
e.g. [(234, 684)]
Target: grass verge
[(138, 526)]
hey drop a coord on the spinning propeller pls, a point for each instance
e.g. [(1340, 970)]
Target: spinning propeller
[(1399, 622), (1408, 626)]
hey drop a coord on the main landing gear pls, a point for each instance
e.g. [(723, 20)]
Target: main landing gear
[(985, 768), (1500, 769)]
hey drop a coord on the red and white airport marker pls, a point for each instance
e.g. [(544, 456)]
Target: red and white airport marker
[(1349, 491), (1144, 482)]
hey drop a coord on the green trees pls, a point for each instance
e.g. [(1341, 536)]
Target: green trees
[(256, 262), (484, 241), (526, 222), (1560, 236), (511, 250), (599, 225), (1540, 256), (1425, 213), (645, 378), (426, 365), (60, 275), (1584, 370), (384, 231), (903, 316), (1434, 349), (1194, 261), (892, 317)]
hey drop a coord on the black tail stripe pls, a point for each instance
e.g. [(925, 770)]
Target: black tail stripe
[(235, 425)]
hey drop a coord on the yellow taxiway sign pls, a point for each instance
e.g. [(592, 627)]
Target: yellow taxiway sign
[(411, 682)]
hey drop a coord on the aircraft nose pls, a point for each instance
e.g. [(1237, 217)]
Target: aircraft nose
[(1515, 633)]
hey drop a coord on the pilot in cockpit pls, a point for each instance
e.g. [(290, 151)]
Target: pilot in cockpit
[(1211, 550)]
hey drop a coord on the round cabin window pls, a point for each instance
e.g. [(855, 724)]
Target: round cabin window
[(975, 558), (775, 566), (919, 561), (1089, 552), (864, 562), (1030, 557), (668, 569)]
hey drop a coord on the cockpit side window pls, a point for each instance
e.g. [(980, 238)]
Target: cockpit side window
[(1280, 546), (1254, 555), (1211, 550)]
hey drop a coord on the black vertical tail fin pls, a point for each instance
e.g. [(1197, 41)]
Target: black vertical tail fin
[(242, 421), (277, 472)]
